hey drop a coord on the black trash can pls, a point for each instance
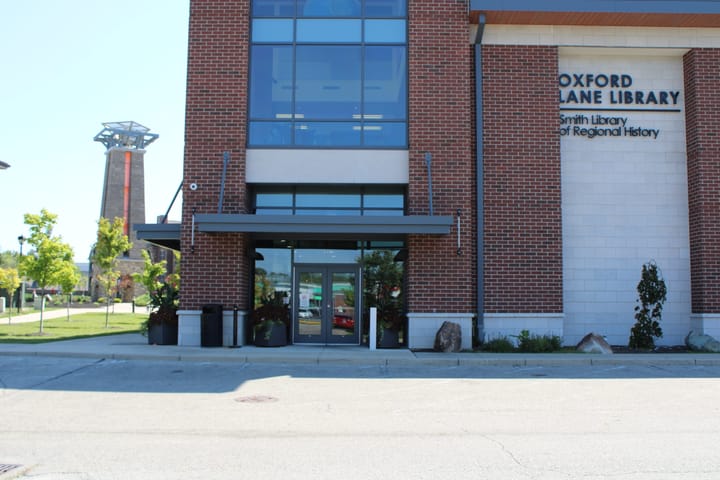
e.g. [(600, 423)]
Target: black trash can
[(211, 325)]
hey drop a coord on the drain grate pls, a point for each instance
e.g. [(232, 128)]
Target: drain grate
[(256, 399), (5, 467)]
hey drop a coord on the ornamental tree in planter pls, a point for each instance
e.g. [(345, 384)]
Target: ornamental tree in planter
[(271, 320), (382, 280), (652, 293), (161, 327)]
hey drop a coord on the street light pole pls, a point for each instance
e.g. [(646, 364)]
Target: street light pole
[(21, 300)]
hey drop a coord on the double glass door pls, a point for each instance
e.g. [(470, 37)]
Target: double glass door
[(326, 308)]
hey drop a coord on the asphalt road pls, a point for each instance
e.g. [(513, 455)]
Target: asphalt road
[(88, 419)]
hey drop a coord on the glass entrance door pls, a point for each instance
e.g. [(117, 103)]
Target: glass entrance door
[(325, 308)]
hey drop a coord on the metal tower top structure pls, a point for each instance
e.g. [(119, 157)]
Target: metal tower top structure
[(125, 135)]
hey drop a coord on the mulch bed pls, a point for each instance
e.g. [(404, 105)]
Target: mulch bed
[(659, 349)]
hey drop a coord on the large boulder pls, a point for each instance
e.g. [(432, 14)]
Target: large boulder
[(594, 343), (448, 338), (702, 343)]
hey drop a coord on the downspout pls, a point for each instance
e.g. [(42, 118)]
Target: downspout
[(479, 178)]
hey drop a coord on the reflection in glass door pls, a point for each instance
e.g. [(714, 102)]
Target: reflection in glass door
[(325, 304)]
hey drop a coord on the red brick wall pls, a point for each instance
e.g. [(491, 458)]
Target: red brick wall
[(442, 123), (523, 218), (215, 122), (702, 104)]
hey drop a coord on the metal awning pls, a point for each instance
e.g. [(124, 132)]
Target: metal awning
[(639, 13), (163, 234), (325, 225), (307, 226)]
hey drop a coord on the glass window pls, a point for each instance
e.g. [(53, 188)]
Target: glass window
[(274, 199), (329, 31), (343, 200), (273, 8), (327, 134), (383, 200), (272, 30), (325, 200), (270, 133), (385, 31), (385, 134), (385, 8), (385, 83), (330, 73), (328, 82), (271, 82), (329, 8)]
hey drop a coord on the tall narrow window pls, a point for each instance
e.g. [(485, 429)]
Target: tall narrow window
[(328, 74)]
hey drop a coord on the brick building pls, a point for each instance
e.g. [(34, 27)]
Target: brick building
[(506, 165)]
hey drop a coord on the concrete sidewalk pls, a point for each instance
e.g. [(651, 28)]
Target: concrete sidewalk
[(61, 312), (135, 346)]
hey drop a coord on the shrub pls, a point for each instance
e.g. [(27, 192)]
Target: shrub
[(652, 293), (142, 300), (499, 345), (532, 343)]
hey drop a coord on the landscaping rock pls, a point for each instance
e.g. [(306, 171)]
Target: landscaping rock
[(702, 343), (448, 338), (594, 343)]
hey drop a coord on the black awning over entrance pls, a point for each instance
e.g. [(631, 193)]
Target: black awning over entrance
[(163, 234), (320, 226), (325, 225)]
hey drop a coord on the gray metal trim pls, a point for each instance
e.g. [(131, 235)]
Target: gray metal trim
[(599, 6), (165, 235), (317, 224), (157, 231)]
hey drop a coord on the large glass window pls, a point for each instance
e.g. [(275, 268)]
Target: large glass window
[(328, 74), (326, 200)]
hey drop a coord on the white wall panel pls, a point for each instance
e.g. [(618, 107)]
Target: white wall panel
[(624, 203)]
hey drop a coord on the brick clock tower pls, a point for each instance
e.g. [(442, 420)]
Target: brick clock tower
[(124, 191)]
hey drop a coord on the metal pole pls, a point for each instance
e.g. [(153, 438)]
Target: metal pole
[(428, 162), (235, 327), (226, 160), (21, 240)]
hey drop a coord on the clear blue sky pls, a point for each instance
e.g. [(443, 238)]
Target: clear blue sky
[(67, 66)]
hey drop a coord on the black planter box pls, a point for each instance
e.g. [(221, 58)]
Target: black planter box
[(276, 338), (162, 334)]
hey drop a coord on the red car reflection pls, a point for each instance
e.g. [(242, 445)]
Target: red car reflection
[(343, 321)]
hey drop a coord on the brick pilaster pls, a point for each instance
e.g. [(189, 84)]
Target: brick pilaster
[(523, 218), (702, 104)]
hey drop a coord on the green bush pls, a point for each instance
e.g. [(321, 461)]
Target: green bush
[(533, 343), (498, 345), (652, 294), (142, 300)]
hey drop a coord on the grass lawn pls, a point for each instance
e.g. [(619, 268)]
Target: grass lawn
[(81, 325)]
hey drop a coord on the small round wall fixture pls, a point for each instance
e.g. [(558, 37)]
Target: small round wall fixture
[(4, 165)]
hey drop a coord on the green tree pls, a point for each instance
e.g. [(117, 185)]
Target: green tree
[(69, 278), (50, 255), (8, 259), (10, 281), (382, 280), (162, 287), (652, 294), (111, 242)]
